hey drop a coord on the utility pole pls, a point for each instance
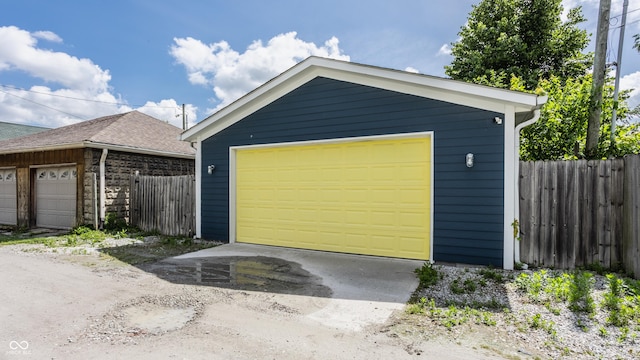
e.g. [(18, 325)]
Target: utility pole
[(184, 119), (599, 69), (616, 86)]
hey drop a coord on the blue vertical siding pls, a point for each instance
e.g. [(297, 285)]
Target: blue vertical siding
[(468, 203)]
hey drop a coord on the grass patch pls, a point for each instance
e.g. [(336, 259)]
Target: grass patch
[(138, 252), (452, 315)]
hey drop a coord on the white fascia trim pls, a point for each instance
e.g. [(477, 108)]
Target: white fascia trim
[(232, 194), (510, 190), (457, 92), (449, 90), (337, 140), (516, 167), (232, 171), (198, 146), (432, 195)]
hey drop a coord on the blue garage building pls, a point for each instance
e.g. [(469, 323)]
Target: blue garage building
[(345, 157)]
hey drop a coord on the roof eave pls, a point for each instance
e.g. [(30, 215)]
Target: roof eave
[(97, 145), (483, 97), (43, 148), (133, 149)]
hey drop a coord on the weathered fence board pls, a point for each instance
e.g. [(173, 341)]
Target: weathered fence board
[(631, 220), (163, 203), (575, 213)]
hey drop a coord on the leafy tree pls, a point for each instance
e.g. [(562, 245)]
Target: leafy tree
[(525, 38), (524, 45), (561, 131), (637, 43)]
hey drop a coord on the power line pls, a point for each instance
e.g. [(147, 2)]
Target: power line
[(83, 99), (619, 26), (617, 16), (628, 12), (43, 105)]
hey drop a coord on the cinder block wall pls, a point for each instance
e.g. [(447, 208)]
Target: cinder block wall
[(119, 167)]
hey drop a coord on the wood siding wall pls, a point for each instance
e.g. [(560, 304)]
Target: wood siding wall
[(119, 168), (577, 213), (468, 202), (163, 203), (25, 163)]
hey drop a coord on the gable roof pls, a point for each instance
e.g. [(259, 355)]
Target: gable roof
[(130, 132), (10, 130), (453, 91)]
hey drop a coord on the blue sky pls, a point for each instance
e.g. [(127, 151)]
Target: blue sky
[(156, 55)]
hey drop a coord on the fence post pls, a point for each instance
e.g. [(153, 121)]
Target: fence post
[(631, 225)]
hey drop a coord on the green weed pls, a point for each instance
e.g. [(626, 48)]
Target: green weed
[(427, 275), (580, 299), (537, 322), (467, 286), (602, 331), (491, 274)]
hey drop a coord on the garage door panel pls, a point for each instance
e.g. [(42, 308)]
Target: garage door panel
[(56, 197), (365, 197), (413, 196), (8, 197)]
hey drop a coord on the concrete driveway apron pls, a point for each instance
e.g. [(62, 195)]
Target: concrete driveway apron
[(364, 290)]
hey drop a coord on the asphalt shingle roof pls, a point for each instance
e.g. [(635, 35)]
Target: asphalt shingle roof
[(9, 130), (132, 130)]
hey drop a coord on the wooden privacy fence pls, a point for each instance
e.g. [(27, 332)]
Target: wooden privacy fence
[(578, 213), (163, 203)]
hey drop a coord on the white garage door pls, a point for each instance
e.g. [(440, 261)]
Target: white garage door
[(8, 199), (56, 197)]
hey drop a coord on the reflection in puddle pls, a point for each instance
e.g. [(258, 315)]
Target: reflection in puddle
[(256, 273)]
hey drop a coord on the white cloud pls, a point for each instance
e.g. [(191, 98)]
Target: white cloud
[(592, 6), (586, 5), (170, 111), (19, 50), (445, 49), (632, 81), (77, 89), (47, 35), (232, 74), (411, 70)]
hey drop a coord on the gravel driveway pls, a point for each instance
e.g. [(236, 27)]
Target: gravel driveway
[(90, 306)]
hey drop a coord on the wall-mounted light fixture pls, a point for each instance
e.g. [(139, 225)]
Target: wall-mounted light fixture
[(469, 160), (210, 169), (497, 120)]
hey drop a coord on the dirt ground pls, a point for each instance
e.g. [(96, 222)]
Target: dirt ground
[(90, 306)]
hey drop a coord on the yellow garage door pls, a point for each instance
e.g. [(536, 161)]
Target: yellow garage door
[(367, 196)]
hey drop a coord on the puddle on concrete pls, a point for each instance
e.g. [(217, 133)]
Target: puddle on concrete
[(254, 273)]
